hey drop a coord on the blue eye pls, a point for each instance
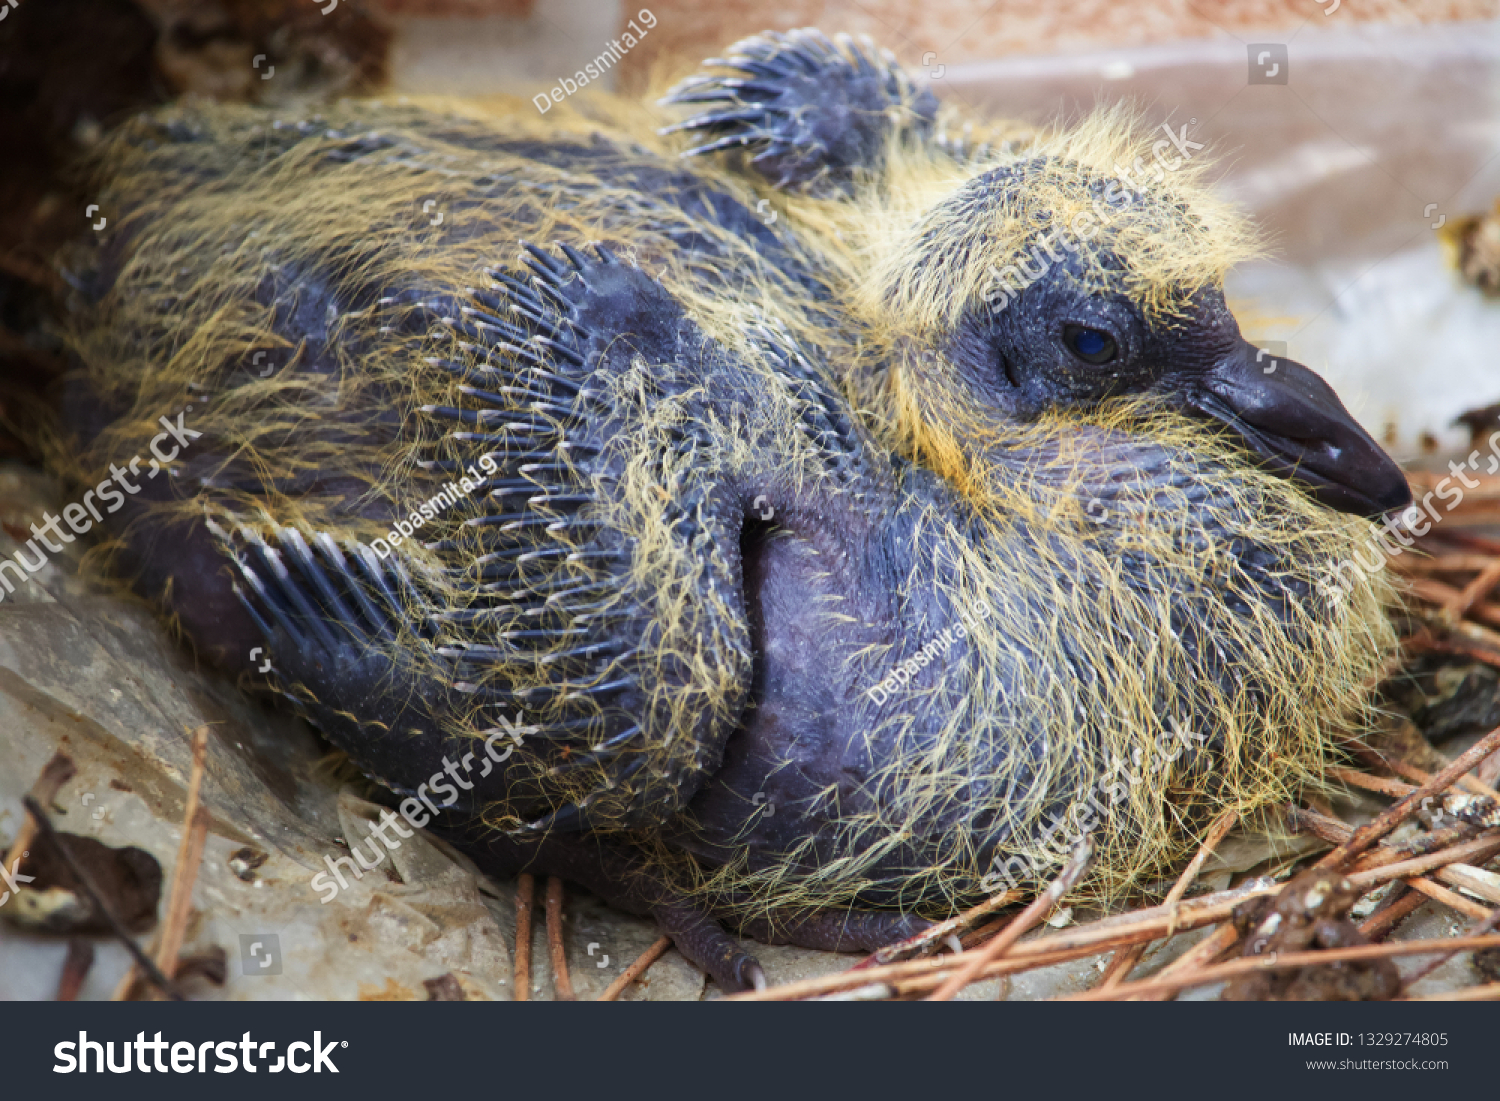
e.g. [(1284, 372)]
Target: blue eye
[(1090, 345)]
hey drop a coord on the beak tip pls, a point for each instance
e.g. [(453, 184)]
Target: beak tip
[(1394, 493), (1373, 494), (1398, 501), (1300, 429)]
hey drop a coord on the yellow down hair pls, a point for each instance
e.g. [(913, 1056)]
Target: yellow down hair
[(215, 221)]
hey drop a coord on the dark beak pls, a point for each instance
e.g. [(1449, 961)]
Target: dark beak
[(1296, 425)]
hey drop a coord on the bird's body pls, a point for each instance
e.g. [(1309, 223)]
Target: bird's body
[(801, 613)]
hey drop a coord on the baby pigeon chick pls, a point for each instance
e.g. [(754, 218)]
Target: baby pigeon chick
[(810, 576)]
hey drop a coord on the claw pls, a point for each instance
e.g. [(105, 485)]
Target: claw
[(717, 94), (725, 143), (578, 259), (545, 264), (696, 81), (604, 751), (568, 819), (751, 974), (753, 67), (726, 118), (703, 941)]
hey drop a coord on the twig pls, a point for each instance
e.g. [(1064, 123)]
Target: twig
[(1430, 842), (525, 892), (1089, 939), (1336, 832), (937, 933), (1425, 643), (1332, 830), (1283, 961), (933, 969), (49, 834), (1469, 852), (1488, 770), (75, 969), (1489, 992), (189, 857), (874, 992), (1450, 899), (1483, 512), (1027, 918), (1473, 632), (1165, 985), (1402, 903), (1476, 881), (181, 907), (1473, 786), (1221, 939), (1394, 815), (562, 984), (1472, 541), (1199, 959), (636, 969), (1393, 788), (1445, 597), (1442, 563), (1216, 833), (981, 934), (1122, 963), (1121, 930), (55, 773), (1473, 593), (184, 875), (1199, 956)]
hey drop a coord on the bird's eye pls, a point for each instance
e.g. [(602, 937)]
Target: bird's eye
[(1090, 345)]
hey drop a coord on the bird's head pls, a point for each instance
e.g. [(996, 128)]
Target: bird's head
[(1055, 281)]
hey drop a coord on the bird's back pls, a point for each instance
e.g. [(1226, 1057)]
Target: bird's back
[(532, 465)]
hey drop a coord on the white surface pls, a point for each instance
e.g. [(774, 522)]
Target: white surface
[(1339, 166), (450, 56)]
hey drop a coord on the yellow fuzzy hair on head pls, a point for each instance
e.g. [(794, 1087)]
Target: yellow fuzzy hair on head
[(981, 226)]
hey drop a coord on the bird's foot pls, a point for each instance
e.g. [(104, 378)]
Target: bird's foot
[(809, 110), (617, 874), (703, 941), (837, 930)]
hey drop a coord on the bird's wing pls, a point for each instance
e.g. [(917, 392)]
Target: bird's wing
[(566, 563)]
